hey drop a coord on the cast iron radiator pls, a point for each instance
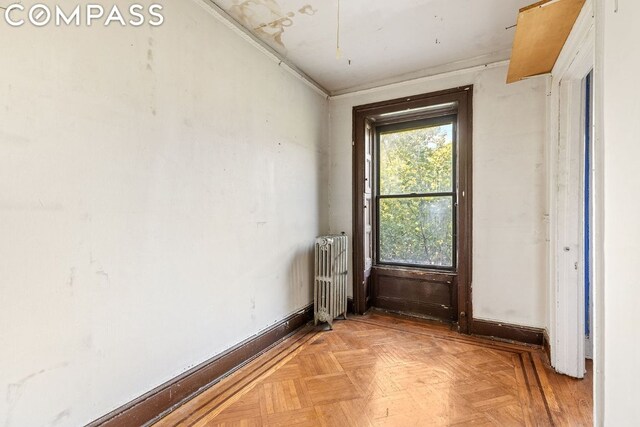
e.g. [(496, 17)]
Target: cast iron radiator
[(330, 289)]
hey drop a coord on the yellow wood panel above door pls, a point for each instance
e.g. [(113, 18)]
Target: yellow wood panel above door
[(542, 31)]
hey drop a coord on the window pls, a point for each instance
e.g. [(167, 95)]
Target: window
[(415, 194), (412, 198)]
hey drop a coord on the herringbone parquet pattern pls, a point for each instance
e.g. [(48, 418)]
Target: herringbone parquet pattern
[(381, 370)]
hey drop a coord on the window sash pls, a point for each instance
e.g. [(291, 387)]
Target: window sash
[(454, 233), (405, 126)]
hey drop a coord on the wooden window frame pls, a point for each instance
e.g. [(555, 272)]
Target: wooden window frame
[(379, 113)]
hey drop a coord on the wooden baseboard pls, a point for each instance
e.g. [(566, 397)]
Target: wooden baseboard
[(504, 331), (546, 344), (350, 308), (162, 399), (497, 330)]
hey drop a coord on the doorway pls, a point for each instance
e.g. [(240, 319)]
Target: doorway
[(587, 204), (412, 206), (575, 244)]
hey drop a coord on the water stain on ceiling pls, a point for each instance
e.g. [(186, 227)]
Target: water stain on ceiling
[(375, 42), (266, 18)]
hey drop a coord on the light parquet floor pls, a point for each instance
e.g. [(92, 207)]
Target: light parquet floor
[(382, 370)]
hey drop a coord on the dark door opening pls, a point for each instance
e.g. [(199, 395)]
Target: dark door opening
[(588, 200)]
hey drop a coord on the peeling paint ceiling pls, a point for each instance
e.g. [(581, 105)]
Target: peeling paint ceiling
[(381, 41)]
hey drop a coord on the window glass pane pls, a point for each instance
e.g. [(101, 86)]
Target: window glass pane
[(417, 161), (416, 231)]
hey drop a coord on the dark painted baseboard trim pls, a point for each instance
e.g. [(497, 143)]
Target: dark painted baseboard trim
[(504, 331), (162, 399), (547, 345), (496, 330)]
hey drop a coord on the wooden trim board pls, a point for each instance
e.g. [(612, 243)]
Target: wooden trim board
[(542, 30), (505, 331), (156, 403), (350, 307), (481, 328), (375, 113), (546, 345)]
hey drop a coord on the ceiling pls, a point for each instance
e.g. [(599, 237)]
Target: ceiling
[(381, 41)]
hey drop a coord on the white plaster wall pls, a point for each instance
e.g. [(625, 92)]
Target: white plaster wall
[(160, 190), (509, 208), (619, 61)]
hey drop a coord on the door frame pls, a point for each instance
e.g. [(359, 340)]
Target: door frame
[(566, 197), (463, 96)]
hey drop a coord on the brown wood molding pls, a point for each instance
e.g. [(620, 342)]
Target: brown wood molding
[(505, 331), (547, 346), (363, 115), (350, 307), (159, 401), (408, 273)]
